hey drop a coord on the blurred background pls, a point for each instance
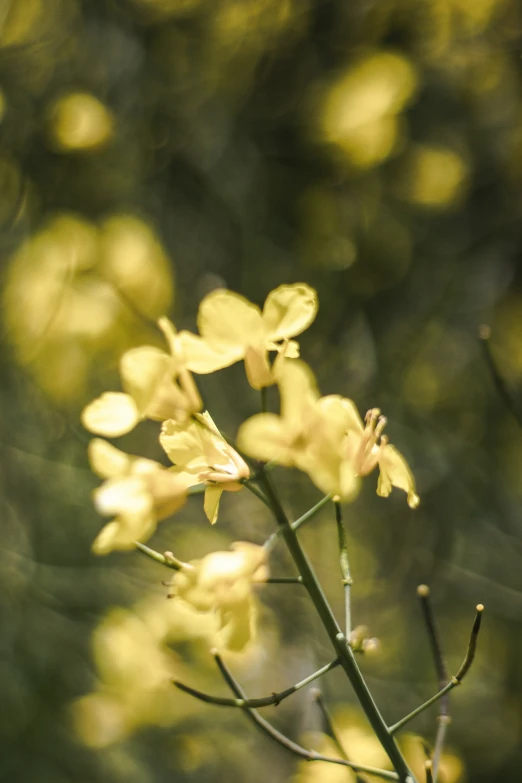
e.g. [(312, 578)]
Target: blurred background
[(152, 150)]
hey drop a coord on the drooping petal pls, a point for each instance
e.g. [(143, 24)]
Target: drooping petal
[(200, 357), (237, 625), (257, 368), (143, 370), (211, 503), (264, 437), (297, 388), (111, 414), (394, 471), (106, 460), (289, 310), (227, 320)]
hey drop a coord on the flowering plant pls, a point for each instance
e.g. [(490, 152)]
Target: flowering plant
[(322, 436)]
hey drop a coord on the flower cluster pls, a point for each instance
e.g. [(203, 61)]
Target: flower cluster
[(323, 436)]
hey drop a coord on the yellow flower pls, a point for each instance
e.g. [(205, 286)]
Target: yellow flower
[(138, 492), (222, 583), (367, 447), (158, 386), (326, 438), (199, 448), (232, 328)]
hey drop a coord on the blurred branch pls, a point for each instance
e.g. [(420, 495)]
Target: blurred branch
[(443, 718), (456, 680), (331, 730), (500, 384), (274, 698), (285, 742)]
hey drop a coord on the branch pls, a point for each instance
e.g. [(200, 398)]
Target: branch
[(274, 698), (443, 718), (345, 567), (285, 742), (456, 680)]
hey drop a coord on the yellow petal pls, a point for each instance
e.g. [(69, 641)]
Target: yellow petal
[(297, 388), (182, 444), (106, 460), (394, 471), (143, 370), (237, 626), (123, 496), (111, 414), (169, 491), (264, 437), (289, 310), (211, 503), (229, 321), (201, 358), (257, 368)]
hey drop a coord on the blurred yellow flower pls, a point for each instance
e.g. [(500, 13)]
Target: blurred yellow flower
[(221, 583), (326, 438), (232, 328), (158, 386), (199, 448), (138, 491)]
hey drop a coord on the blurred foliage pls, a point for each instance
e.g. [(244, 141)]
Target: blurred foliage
[(371, 149)]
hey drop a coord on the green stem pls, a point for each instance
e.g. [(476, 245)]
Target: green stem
[(166, 559), (345, 568), (335, 635)]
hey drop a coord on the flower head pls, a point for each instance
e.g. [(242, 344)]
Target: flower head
[(157, 386), (138, 492), (232, 328), (222, 583), (199, 448), (326, 438)]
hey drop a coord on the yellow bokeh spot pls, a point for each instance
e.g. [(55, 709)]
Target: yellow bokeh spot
[(436, 177), (19, 21), (360, 114), (80, 121), (133, 259), (74, 289), (421, 386)]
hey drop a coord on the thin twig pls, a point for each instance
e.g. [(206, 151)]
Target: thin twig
[(443, 718), (345, 567), (285, 742), (284, 580), (430, 774), (456, 680), (265, 701)]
